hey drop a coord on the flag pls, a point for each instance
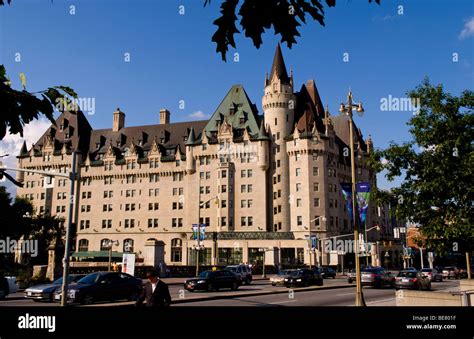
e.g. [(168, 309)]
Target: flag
[(362, 196), (346, 190), (195, 231)]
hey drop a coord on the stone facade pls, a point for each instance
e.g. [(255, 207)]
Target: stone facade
[(262, 181)]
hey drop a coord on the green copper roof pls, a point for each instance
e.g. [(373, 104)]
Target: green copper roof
[(262, 133), (191, 138), (237, 109)]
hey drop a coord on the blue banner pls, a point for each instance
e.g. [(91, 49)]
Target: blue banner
[(346, 190), (363, 196)]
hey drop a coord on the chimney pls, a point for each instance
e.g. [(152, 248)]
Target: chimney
[(119, 120), (164, 116)]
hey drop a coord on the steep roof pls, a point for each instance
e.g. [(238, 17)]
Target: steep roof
[(237, 110), (341, 128), (278, 66), (309, 108)]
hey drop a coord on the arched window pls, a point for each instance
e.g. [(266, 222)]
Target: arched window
[(128, 245), (104, 244), (176, 250), (83, 245)]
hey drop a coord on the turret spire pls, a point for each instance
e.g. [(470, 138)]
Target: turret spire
[(279, 67)]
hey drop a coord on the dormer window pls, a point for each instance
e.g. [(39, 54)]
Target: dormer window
[(162, 140), (66, 135), (185, 138), (231, 111), (242, 120), (97, 145), (61, 127), (140, 142)]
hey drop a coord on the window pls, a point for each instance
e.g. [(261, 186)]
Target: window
[(243, 189), (278, 135), (243, 203), (250, 221), (204, 147), (154, 177), (316, 202), (316, 186), (331, 203), (276, 120), (298, 187), (128, 245), (331, 221), (176, 250), (243, 173), (315, 171), (223, 203), (250, 203), (297, 156), (131, 179), (249, 188), (298, 202), (298, 172), (243, 221), (224, 174), (330, 187), (83, 245), (299, 220), (223, 221)]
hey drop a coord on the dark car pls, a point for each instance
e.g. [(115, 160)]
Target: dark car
[(4, 288), (412, 280), (46, 291), (451, 272), (377, 277), (103, 286), (243, 271), (303, 278), (213, 281), (327, 272)]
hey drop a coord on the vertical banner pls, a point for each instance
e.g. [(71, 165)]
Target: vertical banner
[(362, 197), (195, 231), (346, 190), (128, 263), (202, 233)]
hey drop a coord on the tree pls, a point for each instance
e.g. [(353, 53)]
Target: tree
[(258, 15), (436, 168), (21, 107)]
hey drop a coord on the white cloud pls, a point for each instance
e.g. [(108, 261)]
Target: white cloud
[(11, 144), (199, 115), (468, 29)]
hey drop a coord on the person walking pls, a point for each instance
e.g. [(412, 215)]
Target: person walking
[(155, 293)]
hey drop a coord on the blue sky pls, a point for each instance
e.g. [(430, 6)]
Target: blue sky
[(172, 57)]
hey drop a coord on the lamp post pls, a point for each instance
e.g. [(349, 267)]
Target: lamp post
[(200, 246), (109, 244), (310, 243), (347, 109), (377, 227)]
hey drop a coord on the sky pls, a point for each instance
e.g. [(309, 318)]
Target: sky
[(144, 55)]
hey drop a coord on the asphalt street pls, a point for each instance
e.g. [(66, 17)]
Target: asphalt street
[(341, 294)]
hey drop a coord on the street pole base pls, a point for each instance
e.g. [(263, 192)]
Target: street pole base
[(359, 301)]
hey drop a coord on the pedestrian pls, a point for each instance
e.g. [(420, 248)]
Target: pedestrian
[(155, 293)]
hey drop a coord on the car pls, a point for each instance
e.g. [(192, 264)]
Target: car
[(327, 272), (302, 278), (451, 272), (4, 287), (213, 281), (279, 279), (377, 277), (432, 273), (412, 280), (103, 286), (243, 271), (46, 292), (351, 276)]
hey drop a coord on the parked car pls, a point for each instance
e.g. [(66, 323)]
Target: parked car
[(4, 287), (451, 272), (327, 272), (303, 278), (213, 281), (351, 276), (412, 280), (46, 291), (243, 271), (279, 279), (103, 286), (432, 273), (377, 277)]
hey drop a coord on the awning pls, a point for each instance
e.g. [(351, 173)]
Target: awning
[(96, 254)]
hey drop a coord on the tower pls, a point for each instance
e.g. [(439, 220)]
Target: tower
[(279, 103)]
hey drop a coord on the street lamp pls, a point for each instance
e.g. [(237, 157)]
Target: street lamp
[(347, 109), (310, 243), (377, 227), (198, 246), (108, 243)]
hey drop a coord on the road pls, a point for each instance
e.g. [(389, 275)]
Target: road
[(341, 295)]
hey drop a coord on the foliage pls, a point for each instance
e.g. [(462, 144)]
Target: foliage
[(436, 168), (256, 16), (21, 107)]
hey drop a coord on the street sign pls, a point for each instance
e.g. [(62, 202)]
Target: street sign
[(128, 263)]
